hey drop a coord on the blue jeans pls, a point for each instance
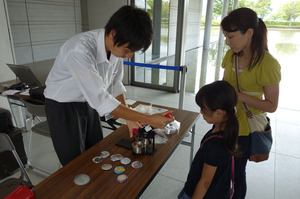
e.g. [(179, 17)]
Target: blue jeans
[(240, 184), (183, 195)]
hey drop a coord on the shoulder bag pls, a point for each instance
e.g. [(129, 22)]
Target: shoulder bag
[(259, 124)]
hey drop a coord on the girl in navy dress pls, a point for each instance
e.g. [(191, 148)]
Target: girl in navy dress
[(210, 174)]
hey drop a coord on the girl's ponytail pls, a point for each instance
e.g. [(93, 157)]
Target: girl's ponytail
[(259, 42), (230, 135)]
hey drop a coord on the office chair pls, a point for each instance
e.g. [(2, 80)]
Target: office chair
[(37, 110), (11, 184)]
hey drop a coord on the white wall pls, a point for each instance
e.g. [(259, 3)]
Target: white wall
[(99, 11), (40, 27), (5, 53)]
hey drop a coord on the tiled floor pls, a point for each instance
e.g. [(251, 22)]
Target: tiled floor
[(277, 178)]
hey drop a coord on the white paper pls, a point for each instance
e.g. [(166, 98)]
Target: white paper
[(10, 92), (130, 101)]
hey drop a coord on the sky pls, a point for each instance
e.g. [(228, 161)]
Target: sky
[(275, 5)]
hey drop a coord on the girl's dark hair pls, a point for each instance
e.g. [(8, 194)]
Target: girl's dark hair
[(221, 95), (242, 19), (132, 25)]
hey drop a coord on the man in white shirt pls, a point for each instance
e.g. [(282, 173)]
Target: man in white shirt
[(86, 81)]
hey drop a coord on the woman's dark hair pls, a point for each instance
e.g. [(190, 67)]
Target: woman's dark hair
[(132, 25), (242, 19), (221, 95)]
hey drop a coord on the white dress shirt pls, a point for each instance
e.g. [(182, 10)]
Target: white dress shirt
[(82, 73)]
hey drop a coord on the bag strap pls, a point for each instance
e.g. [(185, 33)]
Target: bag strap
[(245, 106), (232, 163)]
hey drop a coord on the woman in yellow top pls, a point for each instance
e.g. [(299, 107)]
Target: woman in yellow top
[(258, 74)]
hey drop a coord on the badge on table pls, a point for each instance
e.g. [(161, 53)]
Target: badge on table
[(116, 157), (122, 178), (136, 164), (125, 160), (119, 169), (97, 159), (104, 154), (106, 167)]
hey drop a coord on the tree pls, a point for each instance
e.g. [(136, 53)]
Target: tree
[(245, 3), (290, 11), (218, 4), (165, 11), (150, 11), (262, 7)]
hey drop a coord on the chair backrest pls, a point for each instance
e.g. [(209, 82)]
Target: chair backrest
[(7, 145), (35, 109)]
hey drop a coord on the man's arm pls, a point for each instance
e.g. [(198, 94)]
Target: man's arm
[(131, 124), (156, 120)]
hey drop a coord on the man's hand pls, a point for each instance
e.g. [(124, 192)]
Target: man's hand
[(131, 125), (159, 120)]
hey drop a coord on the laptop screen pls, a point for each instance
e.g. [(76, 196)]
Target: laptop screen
[(25, 75)]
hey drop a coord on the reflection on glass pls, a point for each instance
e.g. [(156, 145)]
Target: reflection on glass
[(159, 12), (284, 45), (286, 48)]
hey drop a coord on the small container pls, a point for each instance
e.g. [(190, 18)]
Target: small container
[(138, 147)]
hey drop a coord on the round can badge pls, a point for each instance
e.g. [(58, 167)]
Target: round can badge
[(125, 160), (136, 164), (97, 159), (104, 154), (106, 167), (81, 179), (119, 169), (116, 157), (122, 178)]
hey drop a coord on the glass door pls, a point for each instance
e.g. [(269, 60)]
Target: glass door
[(162, 50)]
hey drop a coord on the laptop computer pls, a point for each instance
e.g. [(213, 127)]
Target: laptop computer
[(25, 75)]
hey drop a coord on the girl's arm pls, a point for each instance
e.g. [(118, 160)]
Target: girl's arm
[(269, 104), (207, 176)]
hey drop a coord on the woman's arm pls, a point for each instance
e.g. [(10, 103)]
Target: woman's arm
[(268, 104), (207, 176)]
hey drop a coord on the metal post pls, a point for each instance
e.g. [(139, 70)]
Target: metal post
[(12, 111), (208, 20), (192, 145), (234, 6), (180, 42), (221, 42), (182, 87), (157, 10)]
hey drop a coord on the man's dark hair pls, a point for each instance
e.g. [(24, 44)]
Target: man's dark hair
[(132, 25)]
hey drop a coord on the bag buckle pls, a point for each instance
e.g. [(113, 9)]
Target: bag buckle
[(249, 114)]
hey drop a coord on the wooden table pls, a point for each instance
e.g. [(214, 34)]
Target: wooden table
[(102, 183)]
